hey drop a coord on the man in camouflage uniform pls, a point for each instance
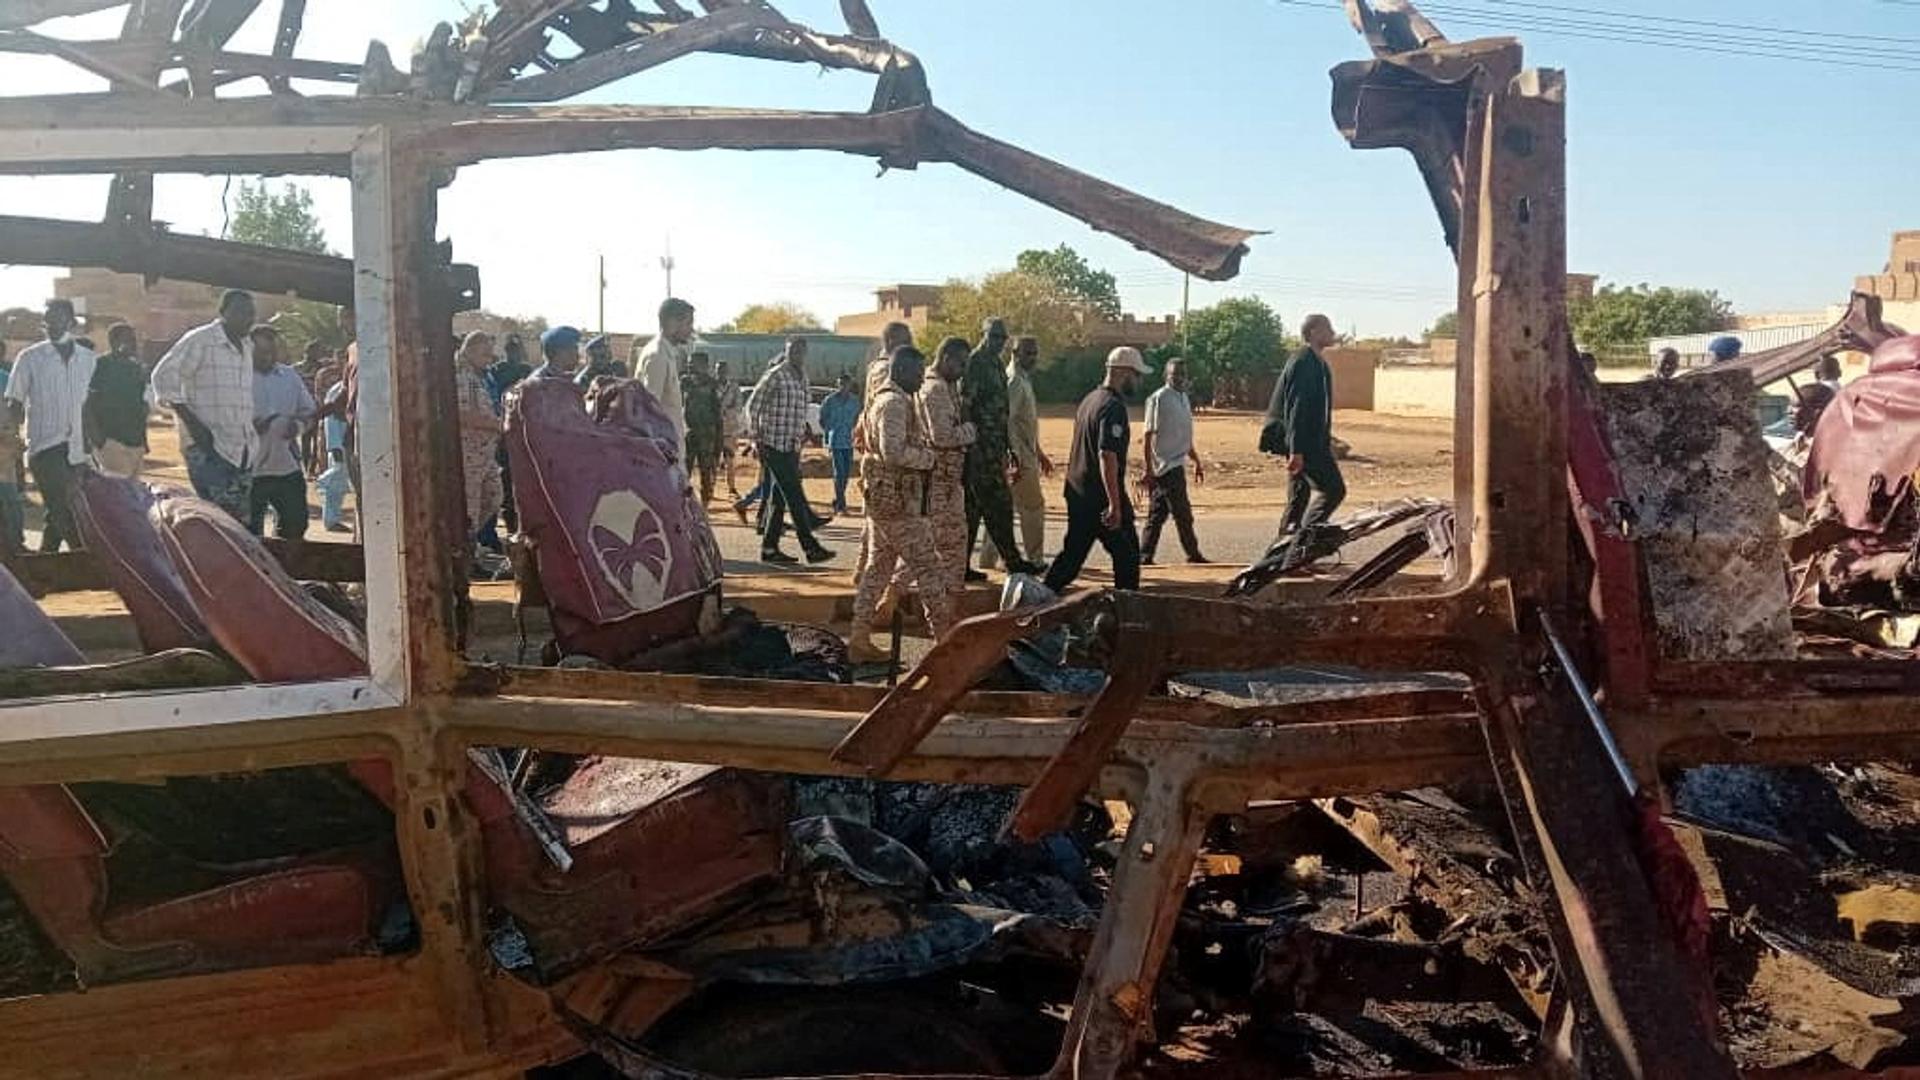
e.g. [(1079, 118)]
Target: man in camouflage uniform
[(950, 436), (700, 395), (479, 431), (893, 478), (983, 392)]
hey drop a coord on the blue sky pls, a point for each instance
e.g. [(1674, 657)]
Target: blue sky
[(1773, 181)]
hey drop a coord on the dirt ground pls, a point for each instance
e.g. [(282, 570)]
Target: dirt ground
[(1394, 456)]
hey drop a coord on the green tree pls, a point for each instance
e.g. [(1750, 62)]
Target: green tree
[(778, 317), (1068, 270), (1627, 315), (1238, 339), (1446, 326), (285, 219), (1030, 304), (282, 219)]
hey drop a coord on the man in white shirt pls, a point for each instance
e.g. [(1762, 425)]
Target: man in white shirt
[(660, 362), (1165, 453), (207, 379), (282, 408), (47, 391)]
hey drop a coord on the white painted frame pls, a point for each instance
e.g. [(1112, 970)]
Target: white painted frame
[(382, 455)]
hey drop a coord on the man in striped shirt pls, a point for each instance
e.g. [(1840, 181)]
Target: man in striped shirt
[(207, 378), (777, 411), (48, 390)]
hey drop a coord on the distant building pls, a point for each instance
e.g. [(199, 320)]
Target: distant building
[(914, 305), (1898, 286), (1580, 287), (159, 312), (919, 305)]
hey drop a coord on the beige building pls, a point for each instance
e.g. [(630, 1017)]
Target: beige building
[(159, 312), (1898, 286), (914, 305), (918, 305)]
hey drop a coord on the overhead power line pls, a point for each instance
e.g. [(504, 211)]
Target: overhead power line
[(1710, 23), (1716, 43)]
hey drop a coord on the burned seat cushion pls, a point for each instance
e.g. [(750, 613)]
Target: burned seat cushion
[(1867, 445), (30, 638), (258, 614), (113, 515), (625, 554), (657, 847)]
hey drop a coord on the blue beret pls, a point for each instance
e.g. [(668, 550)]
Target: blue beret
[(1725, 347), (560, 337)]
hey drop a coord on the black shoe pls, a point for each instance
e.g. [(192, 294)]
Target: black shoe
[(778, 558), (818, 554), (975, 575), (1199, 560), (1146, 560)]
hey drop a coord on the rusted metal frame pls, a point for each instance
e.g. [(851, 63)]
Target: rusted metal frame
[(912, 709), (1209, 635), (1683, 731), (408, 485), (297, 135), (286, 37), (375, 1012), (152, 20), (585, 684), (225, 66), (1601, 511), (153, 253), (90, 61), (1288, 762), (642, 52), (1773, 680), (1113, 1008), (80, 571), (1627, 987), (1632, 1010), (1047, 805), (22, 13), (901, 138), (408, 481)]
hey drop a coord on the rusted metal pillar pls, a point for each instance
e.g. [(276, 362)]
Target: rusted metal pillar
[(410, 478), (1519, 317), (1633, 1014), (1114, 1006)]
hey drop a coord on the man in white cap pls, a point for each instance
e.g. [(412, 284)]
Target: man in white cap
[(1097, 503)]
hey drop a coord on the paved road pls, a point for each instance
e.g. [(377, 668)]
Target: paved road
[(1233, 540)]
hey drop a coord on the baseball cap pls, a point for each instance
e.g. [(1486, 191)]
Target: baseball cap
[(560, 337), (1126, 356)]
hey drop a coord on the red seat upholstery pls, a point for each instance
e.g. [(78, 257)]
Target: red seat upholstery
[(54, 857)]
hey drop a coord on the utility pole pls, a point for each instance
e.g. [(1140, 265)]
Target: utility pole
[(666, 263), (1186, 290), (603, 295)]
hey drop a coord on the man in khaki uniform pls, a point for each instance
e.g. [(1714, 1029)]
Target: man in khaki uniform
[(950, 436), (1023, 438), (893, 478)]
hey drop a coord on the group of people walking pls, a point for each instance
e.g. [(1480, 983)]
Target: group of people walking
[(244, 417)]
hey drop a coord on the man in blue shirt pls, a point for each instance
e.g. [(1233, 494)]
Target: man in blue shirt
[(838, 414)]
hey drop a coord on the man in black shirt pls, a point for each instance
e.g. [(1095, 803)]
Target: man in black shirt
[(1302, 413), (1097, 503), (114, 417)]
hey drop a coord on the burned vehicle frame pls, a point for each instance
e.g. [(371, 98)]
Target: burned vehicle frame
[(1489, 139)]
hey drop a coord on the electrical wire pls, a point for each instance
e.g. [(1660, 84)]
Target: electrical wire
[(1709, 23), (1724, 44)]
